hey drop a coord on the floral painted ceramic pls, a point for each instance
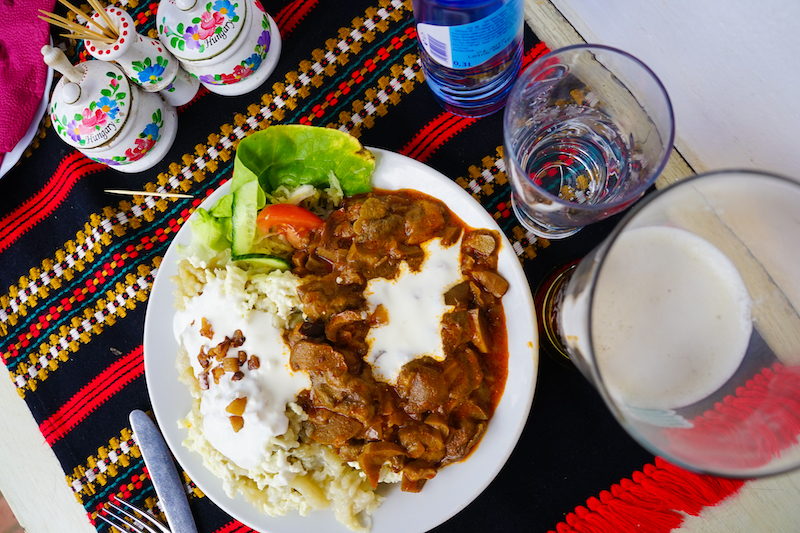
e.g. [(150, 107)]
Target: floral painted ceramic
[(110, 120), (207, 32), (97, 116), (145, 142), (231, 46), (145, 61)]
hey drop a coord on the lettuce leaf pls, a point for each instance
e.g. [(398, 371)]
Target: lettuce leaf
[(293, 155), (268, 163), (210, 234)]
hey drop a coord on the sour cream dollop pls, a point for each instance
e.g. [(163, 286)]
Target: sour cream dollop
[(223, 303), (414, 302)]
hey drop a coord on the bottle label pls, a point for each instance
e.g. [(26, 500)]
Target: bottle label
[(469, 45)]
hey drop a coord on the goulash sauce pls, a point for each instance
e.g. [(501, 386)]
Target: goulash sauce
[(436, 409)]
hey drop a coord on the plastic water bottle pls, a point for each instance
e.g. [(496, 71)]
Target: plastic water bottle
[(471, 51)]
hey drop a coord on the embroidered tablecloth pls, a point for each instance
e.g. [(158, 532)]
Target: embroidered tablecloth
[(77, 265)]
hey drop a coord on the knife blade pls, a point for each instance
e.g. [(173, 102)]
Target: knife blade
[(163, 473)]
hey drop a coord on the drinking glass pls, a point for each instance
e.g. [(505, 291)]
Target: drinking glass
[(587, 129), (685, 319)]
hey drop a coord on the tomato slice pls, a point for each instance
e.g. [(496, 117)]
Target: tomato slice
[(290, 220)]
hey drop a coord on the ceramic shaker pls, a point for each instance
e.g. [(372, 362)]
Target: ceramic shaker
[(231, 46), (96, 110), (144, 60)]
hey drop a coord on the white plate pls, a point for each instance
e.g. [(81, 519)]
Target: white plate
[(455, 486), (11, 158)]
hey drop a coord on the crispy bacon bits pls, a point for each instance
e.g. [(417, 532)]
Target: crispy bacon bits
[(230, 364), (237, 339), (206, 330), (236, 408), (233, 365), (203, 358), (237, 422)]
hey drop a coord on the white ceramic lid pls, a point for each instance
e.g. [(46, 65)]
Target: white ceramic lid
[(91, 112), (194, 30)]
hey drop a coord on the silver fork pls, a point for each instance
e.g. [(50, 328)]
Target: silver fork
[(142, 521)]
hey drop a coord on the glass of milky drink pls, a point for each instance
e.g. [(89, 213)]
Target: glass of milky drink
[(587, 130), (686, 319)]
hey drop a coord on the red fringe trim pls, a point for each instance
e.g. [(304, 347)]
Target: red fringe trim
[(654, 500), (740, 432)]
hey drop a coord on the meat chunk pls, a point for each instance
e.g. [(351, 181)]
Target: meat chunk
[(415, 474), (341, 325), (480, 242), (422, 441), (493, 282), (423, 221), (481, 245), (333, 428), (462, 440), (456, 329), (315, 357), (421, 386), (323, 297), (374, 455)]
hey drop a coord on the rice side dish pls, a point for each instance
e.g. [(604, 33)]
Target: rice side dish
[(267, 460)]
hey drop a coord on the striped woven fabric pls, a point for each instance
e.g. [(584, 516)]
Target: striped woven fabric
[(77, 265)]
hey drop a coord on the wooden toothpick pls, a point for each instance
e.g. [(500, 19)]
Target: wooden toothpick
[(102, 10), (106, 31), (87, 37), (74, 27), (148, 193)]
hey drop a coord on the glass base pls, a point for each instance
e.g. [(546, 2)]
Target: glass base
[(547, 299), (538, 228)]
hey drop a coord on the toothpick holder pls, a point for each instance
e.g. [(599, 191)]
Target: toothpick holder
[(95, 109), (145, 61)]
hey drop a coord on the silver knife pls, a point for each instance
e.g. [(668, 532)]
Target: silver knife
[(163, 473)]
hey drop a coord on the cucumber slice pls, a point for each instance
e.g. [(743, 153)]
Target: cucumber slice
[(265, 260), (243, 217)]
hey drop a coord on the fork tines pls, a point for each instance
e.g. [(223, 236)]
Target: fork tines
[(138, 521)]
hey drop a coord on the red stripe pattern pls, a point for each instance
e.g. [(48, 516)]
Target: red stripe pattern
[(434, 134), (534, 53), (105, 385), (235, 527), (652, 501), (39, 206), (290, 16)]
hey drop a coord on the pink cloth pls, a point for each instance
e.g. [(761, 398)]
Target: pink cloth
[(23, 74)]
